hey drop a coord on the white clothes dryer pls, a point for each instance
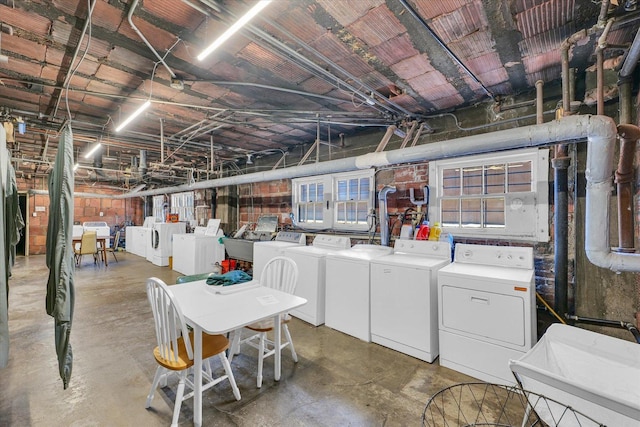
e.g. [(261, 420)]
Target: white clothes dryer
[(311, 262), (265, 250), (160, 244), (198, 252), (404, 297), (347, 304), (487, 310)]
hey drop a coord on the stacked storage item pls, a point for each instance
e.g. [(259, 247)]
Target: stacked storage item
[(160, 245)]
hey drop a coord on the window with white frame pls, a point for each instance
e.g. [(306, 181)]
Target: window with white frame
[(497, 195), (338, 201), (182, 204)]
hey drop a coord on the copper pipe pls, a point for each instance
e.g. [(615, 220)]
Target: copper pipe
[(539, 102), (629, 134)]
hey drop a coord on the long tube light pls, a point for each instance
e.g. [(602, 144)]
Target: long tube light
[(133, 116), (93, 150), (234, 28)]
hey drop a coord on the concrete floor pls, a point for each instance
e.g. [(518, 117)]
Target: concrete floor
[(338, 381)]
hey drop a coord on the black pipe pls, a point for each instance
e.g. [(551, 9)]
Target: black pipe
[(611, 323), (561, 233)]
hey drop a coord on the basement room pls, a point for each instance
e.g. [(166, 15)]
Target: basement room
[(319, 213)]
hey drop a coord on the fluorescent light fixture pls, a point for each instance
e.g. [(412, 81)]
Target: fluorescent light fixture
[(133, 116), (399, 132), (234, 28), (75, 167), (93, 150)]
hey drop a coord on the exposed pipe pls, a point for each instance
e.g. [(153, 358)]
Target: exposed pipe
[(143, 163), (611, 323), (539, 102), (602, 44), (633, 55), (134, 4), (384, 217), (629, 135)]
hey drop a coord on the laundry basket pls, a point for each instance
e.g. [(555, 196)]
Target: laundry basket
[(486, 404)]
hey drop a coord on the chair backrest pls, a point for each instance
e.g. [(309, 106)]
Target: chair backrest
[(116, 240), (280, 273), (169, 322), (89, 242)]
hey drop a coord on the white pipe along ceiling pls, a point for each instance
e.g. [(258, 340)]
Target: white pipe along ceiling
[(599, 132)]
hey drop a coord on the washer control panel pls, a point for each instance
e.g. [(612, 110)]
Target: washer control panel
[(499, 256)]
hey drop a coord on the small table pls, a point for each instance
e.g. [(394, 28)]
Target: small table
[(102, 241), (216, 313)]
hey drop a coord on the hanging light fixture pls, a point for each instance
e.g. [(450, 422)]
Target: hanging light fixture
[(234, 28), (133, 116)]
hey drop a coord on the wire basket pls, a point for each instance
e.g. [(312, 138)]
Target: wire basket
[(485, 404)]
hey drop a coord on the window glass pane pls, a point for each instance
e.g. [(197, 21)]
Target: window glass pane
[(353, 189), (451, 182), (472, 181), (362, 212), (319, 212), (312, 193), (351, 211), (340, 212), (450, 213), (364, 189), (470, 215), (302, 213), (494, 212), (342, 190), (494, 178), (519, 176), (303, 193), (320, 192)]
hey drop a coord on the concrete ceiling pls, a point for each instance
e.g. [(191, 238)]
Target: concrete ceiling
[(338, 66)]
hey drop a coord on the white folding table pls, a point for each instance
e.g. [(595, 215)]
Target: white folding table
[(216, 310)]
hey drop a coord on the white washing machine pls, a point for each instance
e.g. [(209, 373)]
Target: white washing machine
[(198, 252), (138, 237), (487, 310), (311, 280), (161, 241), (347, 296), (265, 250), (404, 297)]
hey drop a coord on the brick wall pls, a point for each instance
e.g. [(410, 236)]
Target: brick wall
[(115, 212), (265, 198)]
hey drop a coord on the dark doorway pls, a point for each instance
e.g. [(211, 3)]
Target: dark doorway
[(22, 244)]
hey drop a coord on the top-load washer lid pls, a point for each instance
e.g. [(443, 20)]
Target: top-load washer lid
[(149, 221), (200, 231), (363, 252), (212, 227)]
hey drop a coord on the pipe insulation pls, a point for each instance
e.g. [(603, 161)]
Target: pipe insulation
[(599, 132)]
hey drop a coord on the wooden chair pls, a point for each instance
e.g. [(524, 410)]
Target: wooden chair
[(280, 273), (174, 352), (88, 246), (114, 248)]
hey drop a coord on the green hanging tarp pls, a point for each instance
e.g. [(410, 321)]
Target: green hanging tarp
[(60, 291), (4, 268)]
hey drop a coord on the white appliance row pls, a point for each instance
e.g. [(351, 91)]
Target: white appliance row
[(138, 237), (161, 242), (198, 252)]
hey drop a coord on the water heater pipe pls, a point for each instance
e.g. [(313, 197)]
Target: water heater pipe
[(384, 217)]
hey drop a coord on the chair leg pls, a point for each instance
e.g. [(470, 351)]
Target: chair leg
[(179, 395), (114, 254), (290, 341), (235, 344), (260, 358), (154, 385), (232, 380)]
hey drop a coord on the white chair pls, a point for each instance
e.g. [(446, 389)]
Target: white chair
[(280, 273), (174, 352)]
